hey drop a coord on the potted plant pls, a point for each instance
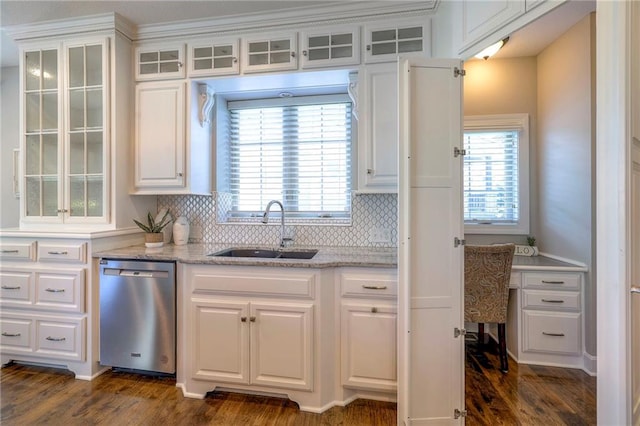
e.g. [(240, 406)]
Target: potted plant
[(153, 236)]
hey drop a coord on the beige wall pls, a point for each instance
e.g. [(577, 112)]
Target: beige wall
[(9, 139), (504, 86), (566, 165)]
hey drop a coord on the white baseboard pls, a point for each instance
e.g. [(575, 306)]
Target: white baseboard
[(590, 364)]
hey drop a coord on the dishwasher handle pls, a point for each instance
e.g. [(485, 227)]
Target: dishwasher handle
[(135, 273)]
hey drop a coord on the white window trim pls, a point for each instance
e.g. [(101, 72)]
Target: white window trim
[(507, 122)]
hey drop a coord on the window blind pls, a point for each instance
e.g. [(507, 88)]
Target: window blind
[(298, 152), (491, 177)]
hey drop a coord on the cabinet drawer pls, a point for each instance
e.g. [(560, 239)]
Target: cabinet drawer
[(569, 281), (554, 300), (60, 290), (65, 252), (515, 280), (18, 251), (16, 334), (553, 332), (60, 338), (358, 284), (15, 287)]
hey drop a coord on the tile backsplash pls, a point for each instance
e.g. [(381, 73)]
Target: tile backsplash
[(206, 218)]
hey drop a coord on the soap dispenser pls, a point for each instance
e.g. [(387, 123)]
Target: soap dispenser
[(181, 231)]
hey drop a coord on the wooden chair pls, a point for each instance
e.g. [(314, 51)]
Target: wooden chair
[(487, 270)]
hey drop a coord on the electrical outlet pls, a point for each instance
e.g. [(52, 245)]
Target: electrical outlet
[(380, 235)]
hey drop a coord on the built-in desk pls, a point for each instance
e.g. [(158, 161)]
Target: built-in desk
[(545, 317)]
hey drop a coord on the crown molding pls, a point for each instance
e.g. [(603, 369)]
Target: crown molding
[(348, 12), (63, 27)]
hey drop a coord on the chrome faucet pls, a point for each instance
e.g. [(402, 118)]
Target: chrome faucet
[(265, 219)]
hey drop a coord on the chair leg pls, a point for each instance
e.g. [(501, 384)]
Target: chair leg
[(502, 344), (481, 333)]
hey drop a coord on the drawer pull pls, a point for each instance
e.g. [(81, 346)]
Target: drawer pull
[(243, 319), (10, 251), (56, 339), (374, 310), (7, 287), (252, 319), (4, 333), (552, 282), (552, 301), (55, 290), (58, 252), (553, 334), (374, 287)]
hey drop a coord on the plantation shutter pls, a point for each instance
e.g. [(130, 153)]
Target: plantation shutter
[(296, 150), (491, 176)]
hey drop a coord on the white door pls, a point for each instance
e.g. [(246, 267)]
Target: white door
[(275, 326), (635, 215), (431, 356)]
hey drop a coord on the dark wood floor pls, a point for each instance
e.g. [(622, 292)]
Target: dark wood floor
[(527, 395)]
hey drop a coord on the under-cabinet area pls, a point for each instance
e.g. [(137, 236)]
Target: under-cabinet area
[(322, 337)]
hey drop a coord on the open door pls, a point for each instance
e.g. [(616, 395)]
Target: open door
[(431, 353)]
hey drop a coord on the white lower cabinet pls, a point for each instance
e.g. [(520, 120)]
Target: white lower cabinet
[(369, 346), (267, 344)]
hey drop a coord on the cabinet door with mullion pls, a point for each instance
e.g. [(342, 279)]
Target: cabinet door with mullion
[(331, 47), (213, 57), (41, 84), (384, 42), (270, 52), (86, 131)]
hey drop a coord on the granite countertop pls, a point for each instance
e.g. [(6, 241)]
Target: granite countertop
[(198, 254)]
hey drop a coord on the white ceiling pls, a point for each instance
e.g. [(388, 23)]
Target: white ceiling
[(527, 42)]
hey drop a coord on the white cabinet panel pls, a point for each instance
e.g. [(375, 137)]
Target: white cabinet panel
[(60, 338), (18, 251), (282, 345), (159, 61), (270, 52), (15, 334), (62, 252), (385, 41), (160, 135), (327, 47), (482, 17), (378, 128), (551, 332), (369, 346), (214, 57), (16, 287)]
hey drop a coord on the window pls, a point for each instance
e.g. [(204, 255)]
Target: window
[(496, 174), (297, 150)]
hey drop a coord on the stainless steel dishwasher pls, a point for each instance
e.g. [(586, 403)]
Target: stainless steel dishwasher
[(138, 315)]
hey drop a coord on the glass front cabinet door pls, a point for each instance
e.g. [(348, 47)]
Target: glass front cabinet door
[(65, 91)]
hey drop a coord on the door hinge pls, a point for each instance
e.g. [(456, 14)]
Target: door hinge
[(458, 152), (459, 413), (457, 332), (457, 72), (458, 242)]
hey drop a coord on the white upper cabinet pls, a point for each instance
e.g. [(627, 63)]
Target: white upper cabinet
[(334, 46), (159, 61), (172, 139), (65, 93), (481, 18), (213, 57), (385, 41), (160, 135), (378, 128), (270, 52)]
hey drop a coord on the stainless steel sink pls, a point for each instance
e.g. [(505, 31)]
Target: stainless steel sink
[(266, 253)]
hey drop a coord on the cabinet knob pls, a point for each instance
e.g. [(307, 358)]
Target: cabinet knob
[(368, 47), (304, 53), (180, 174), (180, 64), (62, 210), (293, 54), (252, 319), (374, 310), (235, 60), (369, 171), (243, 319)]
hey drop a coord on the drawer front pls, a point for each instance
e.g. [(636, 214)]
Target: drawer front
[(552, 300), (60, 339), (253, 281), (515, 280), (369, 284), (15, 288), (18, 250), (554, 281), (60, 290), (551, 332), (62, 252), (16, 334)]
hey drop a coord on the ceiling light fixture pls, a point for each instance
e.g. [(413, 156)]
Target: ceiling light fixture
[(492, 50)]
